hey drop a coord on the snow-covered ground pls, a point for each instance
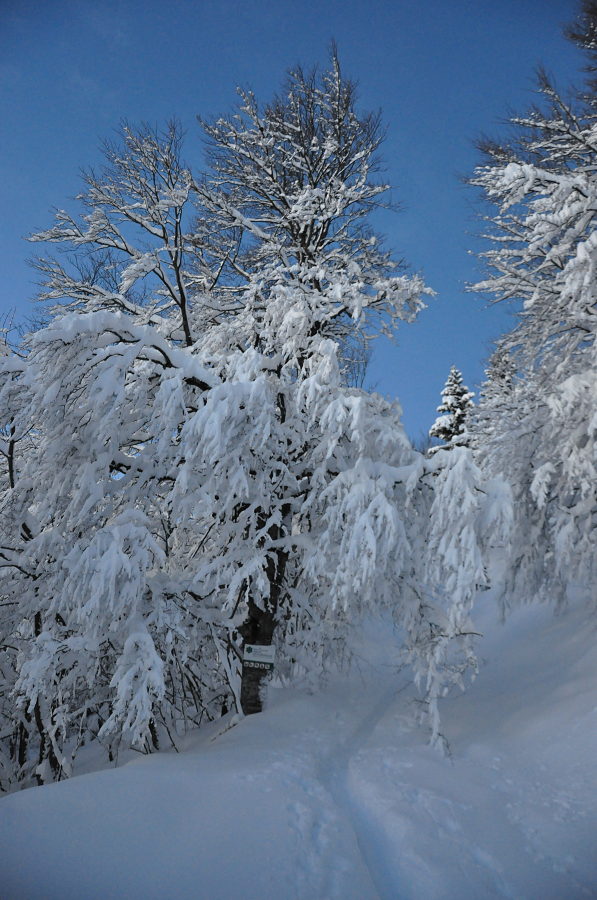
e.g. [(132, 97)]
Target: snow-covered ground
[(336, 795)]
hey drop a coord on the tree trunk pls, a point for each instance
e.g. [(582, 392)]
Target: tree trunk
[(258, 629), (260, 624), (250, 690)]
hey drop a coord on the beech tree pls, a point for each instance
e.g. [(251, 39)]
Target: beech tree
[(456, 403), (200, 474), (537, 421)]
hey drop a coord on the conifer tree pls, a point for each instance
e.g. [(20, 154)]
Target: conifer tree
[(457, 401)]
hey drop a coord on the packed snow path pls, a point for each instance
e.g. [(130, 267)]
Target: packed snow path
[(335, 796)]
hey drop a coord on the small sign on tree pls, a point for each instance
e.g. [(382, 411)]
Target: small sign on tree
[(257, 656)]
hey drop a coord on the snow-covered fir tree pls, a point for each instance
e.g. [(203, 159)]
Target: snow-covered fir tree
[(536, 421), (190, 469), (457, 401)]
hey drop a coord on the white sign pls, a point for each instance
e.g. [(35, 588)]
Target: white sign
[(258, 656)]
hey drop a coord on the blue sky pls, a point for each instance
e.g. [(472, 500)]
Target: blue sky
[(442, 71)]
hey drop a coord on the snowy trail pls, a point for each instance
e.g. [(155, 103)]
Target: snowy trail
[(334, 775), (514, 813)]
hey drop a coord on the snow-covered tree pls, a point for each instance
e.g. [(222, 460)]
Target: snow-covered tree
[(199, 474), (457, 401), (537, 421), (497, 398)]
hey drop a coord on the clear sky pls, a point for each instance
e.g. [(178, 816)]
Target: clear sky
[(442, 71)]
